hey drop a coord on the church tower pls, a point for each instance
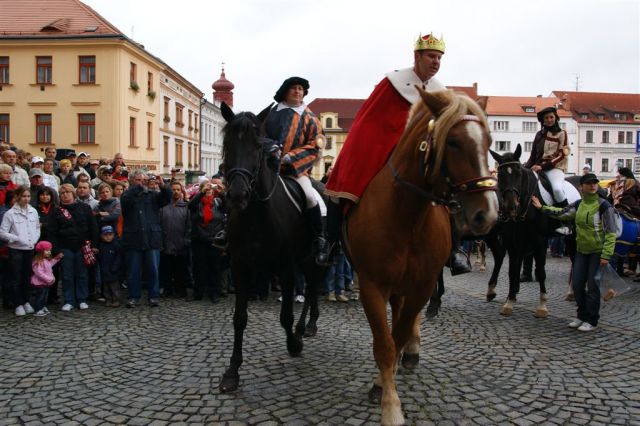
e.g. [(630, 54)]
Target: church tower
[(223, 89)]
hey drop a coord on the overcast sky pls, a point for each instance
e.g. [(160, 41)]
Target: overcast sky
[(344, 47)]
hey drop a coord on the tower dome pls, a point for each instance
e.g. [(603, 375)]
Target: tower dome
[(223, 89)]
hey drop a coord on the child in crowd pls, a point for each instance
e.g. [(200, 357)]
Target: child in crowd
[(110, 261), (43, 277)]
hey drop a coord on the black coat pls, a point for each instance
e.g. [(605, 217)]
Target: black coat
[(141, 217), (199, 232), (110, 261), (49, 226), (73, 232)]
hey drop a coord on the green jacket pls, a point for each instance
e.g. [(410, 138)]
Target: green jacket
[(594, 234)]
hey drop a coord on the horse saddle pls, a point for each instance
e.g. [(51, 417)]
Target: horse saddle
[(294, 191)]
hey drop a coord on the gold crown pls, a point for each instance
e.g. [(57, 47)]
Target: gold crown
[(429, 42)]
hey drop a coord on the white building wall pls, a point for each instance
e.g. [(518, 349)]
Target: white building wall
[(212, 124), (614, 153)]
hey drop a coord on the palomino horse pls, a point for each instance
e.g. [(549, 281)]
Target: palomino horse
[(266, 233), (399, 234)]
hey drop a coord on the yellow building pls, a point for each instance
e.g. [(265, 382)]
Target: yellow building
[(70, 79)]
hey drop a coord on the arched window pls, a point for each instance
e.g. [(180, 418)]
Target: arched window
[(329, 123)]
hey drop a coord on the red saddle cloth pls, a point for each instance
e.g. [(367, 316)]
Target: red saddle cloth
[(375, 132)]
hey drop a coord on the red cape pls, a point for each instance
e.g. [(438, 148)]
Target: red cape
[(375, 132)]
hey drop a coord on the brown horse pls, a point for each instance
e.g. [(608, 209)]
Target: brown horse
[(399, 234)]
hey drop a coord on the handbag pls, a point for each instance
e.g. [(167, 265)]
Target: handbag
[(88, 258)]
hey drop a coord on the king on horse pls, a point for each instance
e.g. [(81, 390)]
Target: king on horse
[(377, 130)]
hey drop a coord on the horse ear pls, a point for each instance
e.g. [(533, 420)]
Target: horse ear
[(496, 156), (263, 114), (482, 102), (227, 113), (517, 152), (434, 104)]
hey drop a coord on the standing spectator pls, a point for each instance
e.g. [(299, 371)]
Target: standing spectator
[(65, 175), (83, 192), (5, 272), (43, 277), (6, 184), (18, 175), (20, 228), (82, 166), (207, 220), (104, 176), (142, 235), (595, 239), (48, 169), (118, 173), (48, 230), (35, 176), (50, 154), (175, 220), (47, 180), (93, 168), (110, 262), (325, 178), (109, 209), (76, 226), (118, 189)]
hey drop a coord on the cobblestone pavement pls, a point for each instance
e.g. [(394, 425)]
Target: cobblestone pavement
[(162, 365)]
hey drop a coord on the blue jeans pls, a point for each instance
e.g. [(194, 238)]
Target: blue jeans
[(336, 274), (75, 279), (585, 287), (151, 259), (40, 298)]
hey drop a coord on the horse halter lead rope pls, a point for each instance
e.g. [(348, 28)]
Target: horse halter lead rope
[(450, 199), (520, 217)]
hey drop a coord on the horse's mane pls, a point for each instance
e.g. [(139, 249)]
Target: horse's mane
[(458, 105)]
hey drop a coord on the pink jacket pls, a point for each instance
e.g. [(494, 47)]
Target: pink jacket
[(43, 272)]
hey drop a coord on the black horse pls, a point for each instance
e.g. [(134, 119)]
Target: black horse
[(522, 227), (266, 233)]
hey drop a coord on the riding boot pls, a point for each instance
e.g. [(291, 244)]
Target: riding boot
[(334, 218), (314, 219), (459, 262)]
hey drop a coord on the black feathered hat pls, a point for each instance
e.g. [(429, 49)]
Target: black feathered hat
[(626, 172), (281, 94), (546, 111)]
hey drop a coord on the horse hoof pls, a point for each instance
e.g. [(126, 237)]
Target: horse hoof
[(310, 330), (483, 268), (570, 297), (229, 383), (375, 394), (490, 296), (506, 312), (410, 361), (433, 309), (294, 346), (541, 313)]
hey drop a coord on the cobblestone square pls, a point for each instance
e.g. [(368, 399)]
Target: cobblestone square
[(162, 366)]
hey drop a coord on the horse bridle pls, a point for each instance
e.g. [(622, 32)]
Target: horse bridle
[(519, 217), (450, 198), (250, 177)]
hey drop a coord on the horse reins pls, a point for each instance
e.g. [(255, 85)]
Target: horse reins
[(249, 177), (484, 183)]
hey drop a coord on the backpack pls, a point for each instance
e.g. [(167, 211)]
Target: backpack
[(602, 208)]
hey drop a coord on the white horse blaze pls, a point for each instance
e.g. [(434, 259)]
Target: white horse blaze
[(474, 132)]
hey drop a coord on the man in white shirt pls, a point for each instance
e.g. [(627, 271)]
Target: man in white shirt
[(19, 176)]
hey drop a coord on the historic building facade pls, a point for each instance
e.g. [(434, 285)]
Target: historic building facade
[(211, 134)]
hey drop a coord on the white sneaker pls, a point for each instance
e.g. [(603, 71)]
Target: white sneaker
[(20, 311), (41, 313), (27, 308), (46, 310), (67, 307), (586, 327), (575, 323), (299, 299), (279, 298), (84, 306)]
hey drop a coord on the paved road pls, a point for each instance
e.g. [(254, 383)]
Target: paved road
[(162, 366)]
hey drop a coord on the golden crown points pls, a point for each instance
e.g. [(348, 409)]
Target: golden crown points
[(429, 42)]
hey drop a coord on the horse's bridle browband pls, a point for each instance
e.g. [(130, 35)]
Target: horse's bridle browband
[(484, 183)]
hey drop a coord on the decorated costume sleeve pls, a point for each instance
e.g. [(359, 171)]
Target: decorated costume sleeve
[(563, 151), (305, 152)]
